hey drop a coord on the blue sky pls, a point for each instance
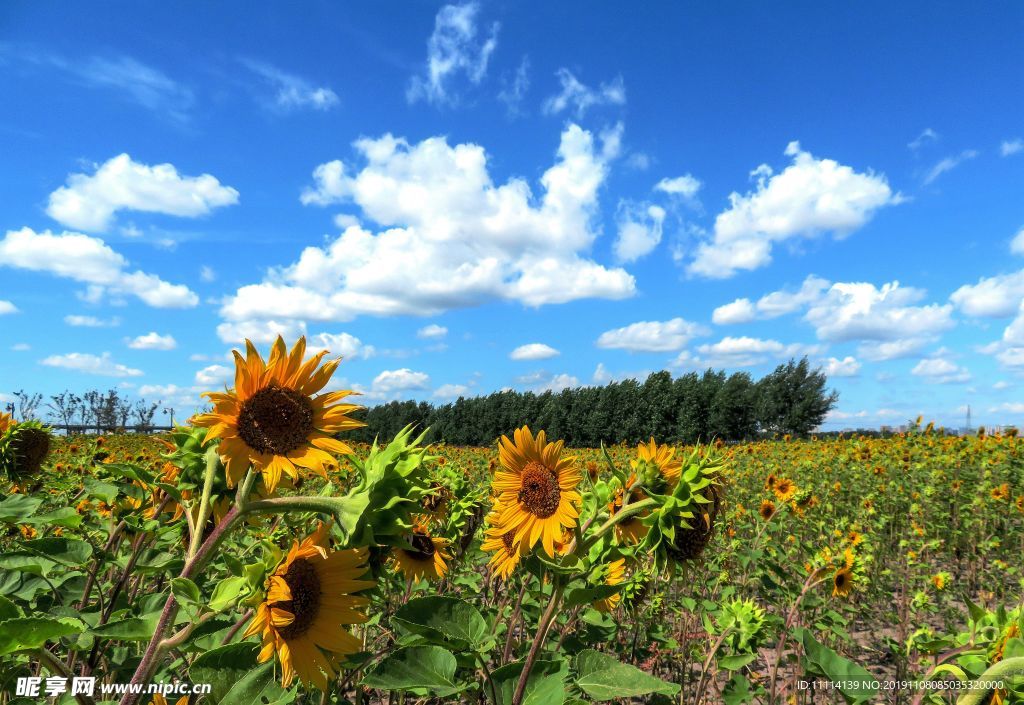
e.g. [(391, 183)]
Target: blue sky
[(464, 198)]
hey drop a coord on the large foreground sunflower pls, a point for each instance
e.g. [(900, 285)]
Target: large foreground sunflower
[(309, 599), (536, 489), (272, 419)]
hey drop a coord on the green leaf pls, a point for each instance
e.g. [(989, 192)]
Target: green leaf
[(8, 609), (735, 662), (584, 596), (415, 667), (602, 677), (259, 686), (737, 691), (545, 686), (32, 632), (823, 661), (18, 507), (186, 593), (65, 516), (444, 619), (130, 629), (25, 562), (223, 667), (227, 591), (65, 551)]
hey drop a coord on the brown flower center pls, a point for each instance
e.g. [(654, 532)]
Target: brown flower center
[(507, 538), (275, 420), (540, 493), (304, 584), (422, 548)]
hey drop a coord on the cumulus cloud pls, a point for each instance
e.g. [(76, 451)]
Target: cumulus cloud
[(1009, 147), (991, 297), (578, 98), (263, 332), (533, 351), (451, 238), (685, 186), (102, 365), (153, 341), (739, 311), (640, 228), (433, 331), (392, 384), (87, 259), (292, 92), (847, 367), (453, 50), (346, 345), (6, 307), (772, 305), (652, 336), (1017, 243), (451, 391), (89, 202), (214, 376), (809, 197), (938, 370), (948, 164), (742, 351)]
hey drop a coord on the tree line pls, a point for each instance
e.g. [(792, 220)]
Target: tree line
[(693, 407), (104, 411)]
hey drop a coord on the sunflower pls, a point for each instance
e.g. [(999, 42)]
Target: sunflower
[(767, 510), (616, 574), (784, 489), (1001, 493), (309, 599), (1020, 503), (6, 422), (842, 582), (425, 557), (507, 550), (271, 418), (939, 581), (159, 699), (655, 458), (855, 537), (537, 490), (632, 529)]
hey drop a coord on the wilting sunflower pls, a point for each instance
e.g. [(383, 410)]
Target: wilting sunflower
[(309, 599), (537, 489), (425, 557), (842, 582), (767, 510), (616, 574), (653, 459), (507, 550), (271, 418), (784, 489)]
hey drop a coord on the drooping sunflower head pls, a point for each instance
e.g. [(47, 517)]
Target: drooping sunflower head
[(615, 576), (767, 510), (423, 557), (842, 582), (23, 447), (536, 489), (309, 600), (655, 465), (274, 418)]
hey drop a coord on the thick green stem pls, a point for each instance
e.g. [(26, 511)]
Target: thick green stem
[(212, 461), (538, 641), (998, 672)]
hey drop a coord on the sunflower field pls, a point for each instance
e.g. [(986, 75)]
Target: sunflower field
[(256, 556)]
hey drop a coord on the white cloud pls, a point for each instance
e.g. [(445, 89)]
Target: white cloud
[(601, 374), (207, 274), (894, 349), (1009, 407), (21, 347), (392, 384), (577, 97), (995, 297), (1009, 147), (92, 321), (153, 341), (292, 92), (809, 197), (260, 331), (514, 91), (1001, 385), (432, 331), (927, 135), (90, 202), (847, 367), (91, 364), (344, 344), (860, 311), (452, 238), (1017, 243), (451, 391), (938, 370), (742, 351), (6, 307), (685, 186), (453, 49), (533, 351), (559, 382), (89, 260), (640, 228), (652, 336), (739, 311), (215, 376), (948, 164)]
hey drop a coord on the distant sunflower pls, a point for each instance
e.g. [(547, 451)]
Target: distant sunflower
[(537, 489), (616, 574), (425, 557), (767, 510), (659, 457), (855, 537), (6, 422), (784, 489), (309, 599), (842, 582), (507, 551), (939, 581), (271, 418), (1020, 503), (1001, 493)]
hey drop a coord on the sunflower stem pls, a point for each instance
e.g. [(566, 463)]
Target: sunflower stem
[(212, 461), (625, 513), (542, 631)]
